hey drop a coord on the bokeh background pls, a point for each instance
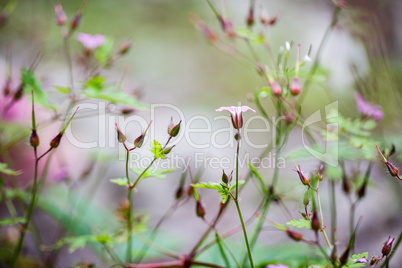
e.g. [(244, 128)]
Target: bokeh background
[(170, 62)]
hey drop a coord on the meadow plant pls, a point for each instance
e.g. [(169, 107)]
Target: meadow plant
[(123, 237)]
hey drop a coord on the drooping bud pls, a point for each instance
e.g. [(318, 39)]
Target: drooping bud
[(120, 136), (386, 249), (179, 192), (294, 235), (174, 130), (320, 173), (75, 22), (250, 18), (124, 47), (275, 88), (303, 178), (54, 143), (295, 87), (272, 21), (315, 222), (200, 209), (61, 17), (34, 139)]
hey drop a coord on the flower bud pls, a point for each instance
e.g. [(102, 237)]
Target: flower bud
[(273, 19), (174, 130), (56, 141), (228, 28), (306, 198), (264, 17), (275, 89), (179, 192), (190, 190), (225, 178), (373, 260), (61, 17), (200, 210), (120, 136), (19, 92), (386, 249), (315, 222), (320, 172), (168, 150), (303, 178), (295, 87), (7, 87), (250, 18), (124, 47), (394, 171), (139, 141), (294, 235), (361, 192), (34, 140), (75, 22)]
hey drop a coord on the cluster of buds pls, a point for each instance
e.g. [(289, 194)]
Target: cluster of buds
[(204, 28), (121, 138), (61, 20), (266, 20)]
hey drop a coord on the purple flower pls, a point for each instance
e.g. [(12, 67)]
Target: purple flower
[(89, 41), (236, 113), (277, 266), (362, 260), (61, 174), (368, 109)]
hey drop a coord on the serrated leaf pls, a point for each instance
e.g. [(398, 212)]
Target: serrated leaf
[(5, 170), (9, 221), (154, 173), (30, 83), (301, 224), (119, 181), (156, 149)]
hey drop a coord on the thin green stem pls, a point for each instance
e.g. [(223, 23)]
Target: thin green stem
[(129, 216), (244, 232), (29, 213), (333, 211), (237, 167), (321, 215)]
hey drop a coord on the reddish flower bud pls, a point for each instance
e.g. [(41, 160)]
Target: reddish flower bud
[(7, 87), (61, 17), (124, 47), (294, 235), (273, 19), (275, 89), (250, 18), (264, 17), (179, 192), (295, 87), (225, 178), (190, 190), (228, 28), (394, 171), (75, 22), (56, 141), (200, 210), (315, 222), (361, 192), (386, 249), (139, 141), (174, 130), (19, 92), (303, 178), (120, 136), (34, 139), (373, 260), (320, 173)]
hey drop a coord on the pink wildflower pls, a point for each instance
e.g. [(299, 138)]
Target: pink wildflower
[(236, 113), (91, 42), (368, 109)]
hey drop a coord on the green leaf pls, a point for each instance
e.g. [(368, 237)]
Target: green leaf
[(119, 181), (254, 38), (156, 149), (5, 170), (95, 82), (103, 239), (301, 224), (352, 262), (154, 173), (9, 221), (258, 176), (76, 242), (30, 83), (210, 185), (103, 53), (114, 96), (64, 90)]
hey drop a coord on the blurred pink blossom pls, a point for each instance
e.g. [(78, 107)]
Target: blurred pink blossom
[(236, 113), (89, 41), (368, 109), (277, 266)]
